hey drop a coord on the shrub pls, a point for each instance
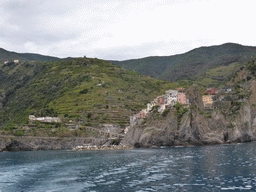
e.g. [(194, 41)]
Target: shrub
[(18, 133), (179, 109), (165, 112), (248, 78), (89, 115), (87, 124), (84, 91), (241, 95), (231, 125), (208, 116), (201, 113)]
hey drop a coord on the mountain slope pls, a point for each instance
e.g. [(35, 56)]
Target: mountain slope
[(190, 64), (8, 56), (81, 89), (230, 119)]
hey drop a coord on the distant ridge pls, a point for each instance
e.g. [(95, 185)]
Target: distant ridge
[(189, 64), (8, 55)]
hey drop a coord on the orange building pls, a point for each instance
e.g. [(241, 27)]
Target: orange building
[(207, 100)]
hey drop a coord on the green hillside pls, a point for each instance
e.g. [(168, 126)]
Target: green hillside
[(10, 56), (192, 64), (89, 90)]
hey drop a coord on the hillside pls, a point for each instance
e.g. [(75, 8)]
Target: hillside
[(192, 64), (91, 91), (10, 56), (230, 118)]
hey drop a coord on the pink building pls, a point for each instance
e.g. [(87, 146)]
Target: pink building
[(182, 98), (160, 100)]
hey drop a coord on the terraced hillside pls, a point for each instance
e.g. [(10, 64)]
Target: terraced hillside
[(92, 91)]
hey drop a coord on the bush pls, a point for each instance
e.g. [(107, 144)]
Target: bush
[(10, 126), (89, 115), (179, 109), (241, 95), (84, 91), (208, 116), (18, 133), (165, 112), (248, 78), (87, 124)]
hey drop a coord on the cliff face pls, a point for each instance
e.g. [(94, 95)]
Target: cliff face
[(198, 126), (36, 143)]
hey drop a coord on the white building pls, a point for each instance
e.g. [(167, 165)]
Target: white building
[(172, 97), (44, 119)]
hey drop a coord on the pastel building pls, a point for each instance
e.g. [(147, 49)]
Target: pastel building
[(160, 100), (207, 100), (181, 98), (170, 97), (211, 91)]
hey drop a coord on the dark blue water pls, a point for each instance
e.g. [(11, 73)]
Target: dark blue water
[(208, 168)]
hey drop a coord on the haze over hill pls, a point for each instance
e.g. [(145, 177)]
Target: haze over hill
[(190, 64)]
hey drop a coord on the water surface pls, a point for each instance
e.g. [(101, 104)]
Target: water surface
[(207, 168)]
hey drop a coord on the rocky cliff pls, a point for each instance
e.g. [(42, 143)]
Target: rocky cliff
[(40, 143), (232, 119)]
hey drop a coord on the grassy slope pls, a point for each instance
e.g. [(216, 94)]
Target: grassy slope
[(10, 56), (71, 88), (190, 65)]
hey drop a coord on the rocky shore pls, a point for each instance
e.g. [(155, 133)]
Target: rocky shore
[(103, 147), (198, 126), (27, 143)]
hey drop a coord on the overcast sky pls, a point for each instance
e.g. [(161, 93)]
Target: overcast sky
[(123, 29)]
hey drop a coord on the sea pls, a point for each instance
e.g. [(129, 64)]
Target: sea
[(204, 168)]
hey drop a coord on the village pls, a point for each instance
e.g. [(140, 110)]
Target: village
[(169, 99), (162, 102)]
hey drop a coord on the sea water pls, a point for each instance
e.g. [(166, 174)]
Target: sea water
[(205, 168)]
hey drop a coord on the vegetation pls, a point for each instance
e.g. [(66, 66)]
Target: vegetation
[(82, 89), (165, 112), (206, 66), (10, 56), (180, 111)]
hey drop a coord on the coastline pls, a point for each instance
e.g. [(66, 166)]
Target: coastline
[(29, 143)]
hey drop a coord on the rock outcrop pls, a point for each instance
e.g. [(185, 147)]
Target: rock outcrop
[(198, 126), (38, 143)]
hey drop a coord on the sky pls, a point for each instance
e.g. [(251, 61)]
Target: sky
[(123, 29)]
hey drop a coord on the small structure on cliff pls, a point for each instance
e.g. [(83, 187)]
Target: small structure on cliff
[(32, 119), (207, 100)]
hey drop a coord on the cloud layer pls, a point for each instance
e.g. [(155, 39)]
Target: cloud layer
[(119, 30)]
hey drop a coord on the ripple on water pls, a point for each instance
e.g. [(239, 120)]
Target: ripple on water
[(207, 168)]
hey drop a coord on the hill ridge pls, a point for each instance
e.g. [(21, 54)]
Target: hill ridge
[(11, 55), (191, 63)]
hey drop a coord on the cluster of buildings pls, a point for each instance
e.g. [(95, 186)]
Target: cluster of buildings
[(210, 96), (32, 119), (170, 98)]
